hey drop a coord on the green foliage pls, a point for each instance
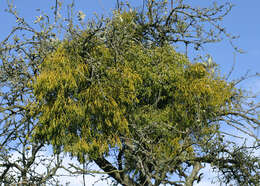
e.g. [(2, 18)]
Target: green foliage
[(89, 97), (117, 93)]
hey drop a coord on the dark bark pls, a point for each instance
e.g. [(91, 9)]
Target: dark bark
[(114, 172)]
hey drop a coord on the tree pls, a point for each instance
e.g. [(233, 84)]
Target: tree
[(23, 161), (118, 93)]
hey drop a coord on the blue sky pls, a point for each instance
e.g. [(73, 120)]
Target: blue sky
[(244, 20)]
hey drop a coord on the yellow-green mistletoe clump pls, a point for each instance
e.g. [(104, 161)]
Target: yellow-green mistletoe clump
[(93, 93)]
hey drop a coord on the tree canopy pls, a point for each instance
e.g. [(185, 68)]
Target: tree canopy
[(103, 91), (118, 93)]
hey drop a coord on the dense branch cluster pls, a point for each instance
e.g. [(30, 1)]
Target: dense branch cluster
[(117, 93)]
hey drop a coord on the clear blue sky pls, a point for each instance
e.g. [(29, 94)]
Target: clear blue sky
[(244, 20)]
